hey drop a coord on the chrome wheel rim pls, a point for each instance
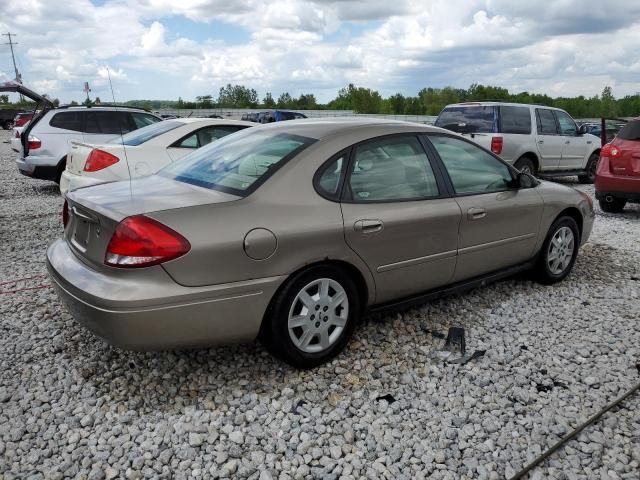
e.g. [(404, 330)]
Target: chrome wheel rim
[(526, 170), (318, 315), (560, 250)]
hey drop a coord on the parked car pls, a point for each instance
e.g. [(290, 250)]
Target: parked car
[(141, 152), (21, 119), (6, 117), (535, 139), (290, 231), (278, 116), (16, 141), (618, 174), (45, 140)]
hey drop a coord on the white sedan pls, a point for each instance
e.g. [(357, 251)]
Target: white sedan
[(141, 152)]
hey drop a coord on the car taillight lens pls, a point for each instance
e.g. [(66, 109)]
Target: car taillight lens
[(99, 159), (65, 214), (610, 151), (140, 241), (33, 142), (496, 145)]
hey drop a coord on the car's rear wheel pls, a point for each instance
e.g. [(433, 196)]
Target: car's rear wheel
[(312, 317), (7, 125), (525, 165), (559, 251), (592, 164), (611, 204)]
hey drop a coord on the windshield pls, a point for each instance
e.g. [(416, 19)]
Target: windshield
[(475, 119), (145, 134), (631, 131), (238, 163)]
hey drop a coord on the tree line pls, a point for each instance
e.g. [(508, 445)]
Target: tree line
[(428, 101)]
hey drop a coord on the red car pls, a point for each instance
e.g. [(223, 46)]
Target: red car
[(618, 173), (22, 119)]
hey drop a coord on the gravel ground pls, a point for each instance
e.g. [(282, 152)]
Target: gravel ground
[(73, 407)]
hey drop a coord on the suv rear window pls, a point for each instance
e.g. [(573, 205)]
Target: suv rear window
[(515, 119), (68, 121), (109, 122), (471, 119), (238, 163), (631, 131), (145, 134)]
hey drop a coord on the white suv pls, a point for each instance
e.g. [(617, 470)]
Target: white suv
[(45, 142), (536, 139)]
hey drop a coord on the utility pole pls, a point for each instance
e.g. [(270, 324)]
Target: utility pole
[(13, 57)]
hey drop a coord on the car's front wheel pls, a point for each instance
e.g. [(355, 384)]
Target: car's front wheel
[(559, 251), (312, 317), (525, 165)]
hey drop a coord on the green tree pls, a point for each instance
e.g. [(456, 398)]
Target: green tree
[(237, 96), (204, 101), (4, 98), (285, 100), (268, 101), (359, 99), (306, 102), (607, 103)]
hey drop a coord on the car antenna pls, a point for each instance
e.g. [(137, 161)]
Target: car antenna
[(124, 148)]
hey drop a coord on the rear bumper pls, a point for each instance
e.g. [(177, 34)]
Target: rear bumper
[(70, 181), (617, 186), (45, 168), (146, 310)]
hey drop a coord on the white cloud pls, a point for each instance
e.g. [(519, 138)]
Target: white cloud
[(569, 47)]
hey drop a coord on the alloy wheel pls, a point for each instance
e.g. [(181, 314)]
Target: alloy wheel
[(561, 250), (318, 315)]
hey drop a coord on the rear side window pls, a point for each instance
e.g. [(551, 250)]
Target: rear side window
[(391, 169), (631, 131), (546, 122), (108, 123), (68, 121), (515, 120), (328, 177), (471, 119)]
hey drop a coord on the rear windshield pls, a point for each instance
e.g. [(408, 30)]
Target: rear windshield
[(238, 163), (144, 134), (631, 131), (472, 119)]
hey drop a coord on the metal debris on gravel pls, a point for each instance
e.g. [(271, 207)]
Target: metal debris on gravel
[(73, 407)]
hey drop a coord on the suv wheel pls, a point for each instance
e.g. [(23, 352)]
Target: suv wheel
[(559, 251), (313, 317), (525, 165), (612, 204), (7, 125), (592, 164)]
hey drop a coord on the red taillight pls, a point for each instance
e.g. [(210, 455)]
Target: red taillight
[(610, 151), (141, 242), (99, 159), (33, 142), (65, 214), (496, 145)]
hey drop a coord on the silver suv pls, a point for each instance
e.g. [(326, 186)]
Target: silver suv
[(45, 140), (536, 139)]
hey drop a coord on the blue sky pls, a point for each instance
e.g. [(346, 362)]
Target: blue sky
[(163, 49)]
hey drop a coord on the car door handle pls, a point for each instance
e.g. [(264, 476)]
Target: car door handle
[(540, 142), (476, 213), (368, 226)]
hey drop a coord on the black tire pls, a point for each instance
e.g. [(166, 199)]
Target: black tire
[(61, 168), (526, 165), (592, 164), (275, 335), (542, 269), (7, 125), (616, 205)]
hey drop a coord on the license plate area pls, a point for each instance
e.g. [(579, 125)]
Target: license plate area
[(81, 234)]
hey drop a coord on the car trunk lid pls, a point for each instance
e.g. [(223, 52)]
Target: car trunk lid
[(624, 156), (95, 212)]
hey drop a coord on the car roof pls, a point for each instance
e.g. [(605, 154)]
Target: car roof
[(505, 104), (323, 128), (210, 121)]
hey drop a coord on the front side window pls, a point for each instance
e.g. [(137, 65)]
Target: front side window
[(471, 169), (566, 123), (515, 120), (142, 135), (238, 163), (546, 122), (391, 169)]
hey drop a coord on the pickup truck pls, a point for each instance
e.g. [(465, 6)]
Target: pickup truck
[(539, 140)]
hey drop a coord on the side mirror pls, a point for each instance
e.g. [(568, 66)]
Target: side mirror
[(582, 130), (523, 180)]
